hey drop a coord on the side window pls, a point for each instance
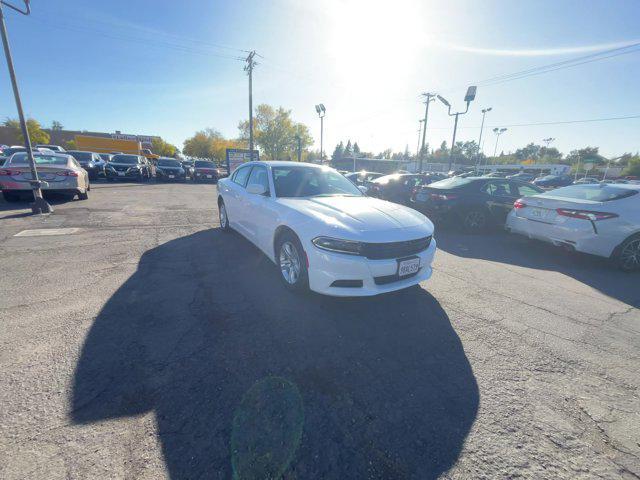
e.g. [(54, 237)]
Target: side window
[(526, 191), (259, 175), (497, 189), (241, 175)]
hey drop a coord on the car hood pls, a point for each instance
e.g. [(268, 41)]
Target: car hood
[(357, 214)]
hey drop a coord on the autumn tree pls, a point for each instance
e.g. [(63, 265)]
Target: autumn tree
[(36, 134)]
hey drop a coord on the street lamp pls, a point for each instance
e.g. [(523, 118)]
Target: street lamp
[(498, 132), (484, 112), (321, 112), (469, 97), (39, 204)]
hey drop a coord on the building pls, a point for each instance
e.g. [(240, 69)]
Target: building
[(61, 137)]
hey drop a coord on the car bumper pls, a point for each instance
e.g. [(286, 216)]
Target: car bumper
[(127, 175), (65, 186), (377, 276), (575, 234), (208, 177), (170, 177)]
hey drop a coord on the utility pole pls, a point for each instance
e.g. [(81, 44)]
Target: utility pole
[(321, 111), (429, 97), (39, 204), (299, 139), (469, 97), (249, 69)]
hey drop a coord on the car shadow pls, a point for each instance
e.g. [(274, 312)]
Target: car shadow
[(502, 247), (248, 380)]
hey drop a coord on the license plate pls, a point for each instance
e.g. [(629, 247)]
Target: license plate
[(121, 174), (408, 267), (537, 213), (209, 176), (421, 197), (172, 176)]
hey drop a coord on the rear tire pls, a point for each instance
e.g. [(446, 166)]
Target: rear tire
[(292, 263), (83, 195), (474, 220), (627, 255)]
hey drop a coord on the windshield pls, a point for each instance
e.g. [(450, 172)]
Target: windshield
[(596, 193), (301, 181), (125, 159), (81, 156), (39, 158), (205, 164), (454, 182), (169, 163), (388, 178), (10, 151)]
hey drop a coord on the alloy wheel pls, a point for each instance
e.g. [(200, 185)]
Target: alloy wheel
[(290, 263), (630, 255), (222, 211), (474, 220)]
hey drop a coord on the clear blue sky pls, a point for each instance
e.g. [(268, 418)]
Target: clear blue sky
[(160, 67)]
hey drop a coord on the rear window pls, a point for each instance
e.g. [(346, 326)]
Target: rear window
[(595, 193), (39, 158), (453, 182), (82, 156)]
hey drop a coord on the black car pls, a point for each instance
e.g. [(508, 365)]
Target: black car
[(553, 181), (128, 167), (523, 177), (170, 170), (397, 187), (203, 170), (90, 161), (188, 167), (473, 203)]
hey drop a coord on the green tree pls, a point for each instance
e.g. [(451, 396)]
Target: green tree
[(587, 154), (276, 133), (36, 134), (338, 152), (356, 148), (162, 148), (348, 150), (633, 167), (56, 126)]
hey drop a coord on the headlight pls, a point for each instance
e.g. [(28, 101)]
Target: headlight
[(340, 246), (90, 164)]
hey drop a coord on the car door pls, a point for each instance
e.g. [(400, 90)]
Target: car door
[(235, 197), (499, 198), (261, 220)]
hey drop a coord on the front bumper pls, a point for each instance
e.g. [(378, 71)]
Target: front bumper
[(208, 177), (169, 176), (135, 174), (573, 233), (327, 267)]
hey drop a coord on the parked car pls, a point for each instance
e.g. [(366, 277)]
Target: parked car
[(8, 151), (323, 233), (62, 174), (495, 175), (397, 187), (128, 167), (53, 148), (204, 170), (362, 178), (600, 219), (474, 203), (553, 181), (106, 157), (170, 169), (188, 167), (90, 161), (523, 177)]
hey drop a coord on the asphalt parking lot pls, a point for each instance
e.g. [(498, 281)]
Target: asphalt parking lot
[(145, 343)]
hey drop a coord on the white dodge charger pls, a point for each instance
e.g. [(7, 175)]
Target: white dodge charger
[(323, 233)]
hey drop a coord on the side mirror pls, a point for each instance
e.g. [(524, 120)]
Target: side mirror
[(256, 189), (363, 189)]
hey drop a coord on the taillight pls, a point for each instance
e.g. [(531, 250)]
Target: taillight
[(442, 196), (519, 204), (585, 214), (67, 173), (10, 172)]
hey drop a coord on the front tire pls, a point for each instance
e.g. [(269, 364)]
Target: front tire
[(627, 257), (223, 216), (292, 263)]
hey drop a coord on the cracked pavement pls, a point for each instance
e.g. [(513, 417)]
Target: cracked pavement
[(151, 345)]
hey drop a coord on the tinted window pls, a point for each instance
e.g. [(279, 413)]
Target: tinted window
[(259, 175), (82, 156), (126, 159), (168, 163), (39, 158), (596, 193), (299, 181), (240, 177), (497, 189), (454, 182), (527, 190)]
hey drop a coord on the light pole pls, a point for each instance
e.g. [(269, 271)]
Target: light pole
[(39, 204), (469, 97), (429, 97), (484, 112), (249, 69), (321, 112), (498, 132), (606, 170)]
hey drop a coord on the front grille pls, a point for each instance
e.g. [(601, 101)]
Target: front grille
[(120, 169), (386, 279), (380, 251), (347, 283)]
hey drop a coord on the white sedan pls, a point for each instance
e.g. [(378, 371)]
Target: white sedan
[(323, 233), (600, 219)]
